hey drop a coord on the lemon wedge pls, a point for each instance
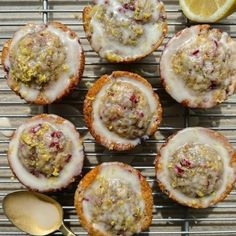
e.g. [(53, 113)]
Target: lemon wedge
[(207, 10)]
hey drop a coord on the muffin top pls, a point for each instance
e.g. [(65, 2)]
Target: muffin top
[(125, 110), (37, 59), (196, 167), (121, 110), (199, 62), (44, 62), (114, 199), (46, 153), (196, 170), (123, 30), (114, 202), (44, 150)]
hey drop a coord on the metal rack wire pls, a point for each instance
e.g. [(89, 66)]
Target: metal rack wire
[(168, 217)]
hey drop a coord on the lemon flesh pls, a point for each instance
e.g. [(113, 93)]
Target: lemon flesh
[(207, 10)]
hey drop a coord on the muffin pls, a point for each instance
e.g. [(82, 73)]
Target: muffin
[(43, 62), (125, 30), (196, 167), (46, 153), (120, 110), (198, 66), (114, 199)]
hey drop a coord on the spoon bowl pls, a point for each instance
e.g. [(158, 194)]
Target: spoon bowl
[(34, 213)]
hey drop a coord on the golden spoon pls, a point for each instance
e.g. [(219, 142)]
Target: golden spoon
[(35, 213)]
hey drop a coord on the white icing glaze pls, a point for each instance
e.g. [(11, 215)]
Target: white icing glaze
[(113, 172), (30, 94), (73, 50), (5, 123), (175, 86), (69, 171), (102, 130), (56, 88), (197, 136), (153, 31), (21, 33)]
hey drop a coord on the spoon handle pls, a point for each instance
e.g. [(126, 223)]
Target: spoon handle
[(65, 231)]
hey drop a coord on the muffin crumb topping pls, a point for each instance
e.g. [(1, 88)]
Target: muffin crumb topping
[(204, 64), (125, 20), (196, 170), (44, 150), (37, 59), (125, 110), (115, 205)]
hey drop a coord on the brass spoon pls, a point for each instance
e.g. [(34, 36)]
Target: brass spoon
[(35, 213)]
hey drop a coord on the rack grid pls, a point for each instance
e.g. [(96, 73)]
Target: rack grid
[(169, 218)]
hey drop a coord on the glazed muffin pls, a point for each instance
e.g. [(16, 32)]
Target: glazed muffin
[(114, 199), (196, 167), (121, 109), (198, 66), (43, 62), (46, 153), (125, 30)]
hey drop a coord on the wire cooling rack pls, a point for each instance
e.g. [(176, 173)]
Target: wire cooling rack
[(169, 218)]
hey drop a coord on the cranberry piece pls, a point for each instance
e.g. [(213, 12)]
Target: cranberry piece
[(35, 173), (31, 157), (85, 199), (55, 144), (68, 158), (216, 44), (163, 17), (52, 144), (56, 134), (208, 183), (186, 163), (195, 52), (141, 114), (114, 118), (139, 175), (213, 85), (120, 9), (179, 171), (129, 6), (133, 99), (36, 128), (7, 69)]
